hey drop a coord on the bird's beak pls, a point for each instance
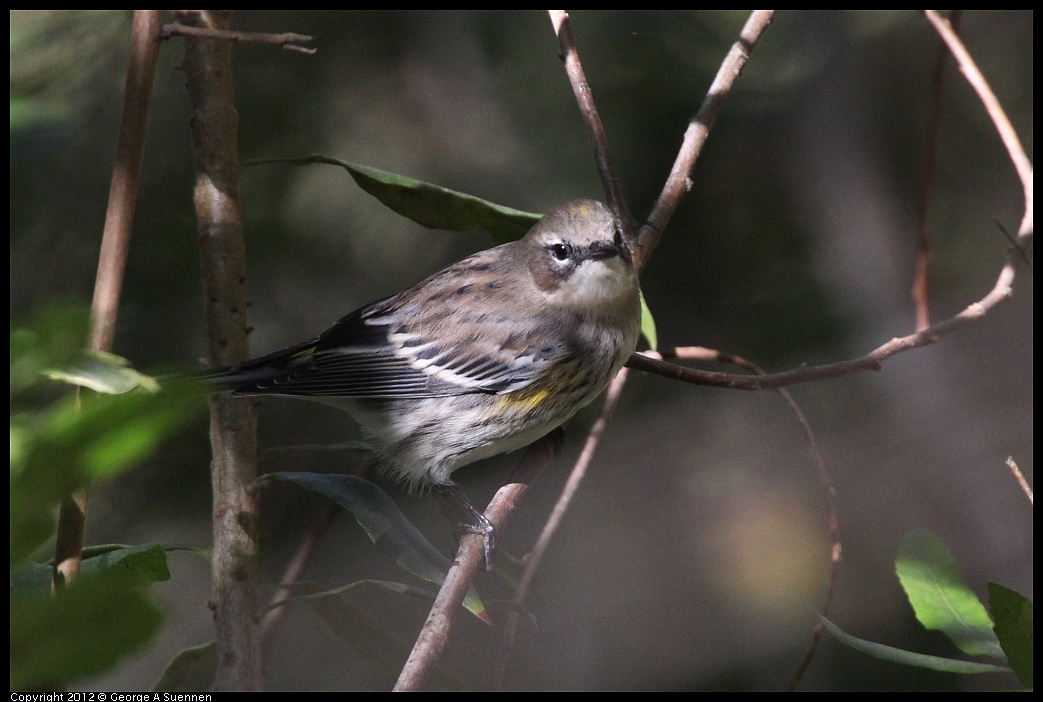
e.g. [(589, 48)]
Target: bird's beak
[(601, 250)]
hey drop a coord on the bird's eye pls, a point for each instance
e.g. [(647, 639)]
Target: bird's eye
[(559, 251)]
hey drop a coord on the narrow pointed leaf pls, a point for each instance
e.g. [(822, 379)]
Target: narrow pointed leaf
[(386, 526), (191, 670), (897, 655), (102, 372), (427, 204)]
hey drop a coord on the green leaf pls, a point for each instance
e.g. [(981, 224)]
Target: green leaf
[(386, 526), (56, 336), (191, 670), (920, 660), (102, 372), (1013, 614), (84, 630), (427, 204), (940, 597), (134, 566), (72, 444), (648, 325)]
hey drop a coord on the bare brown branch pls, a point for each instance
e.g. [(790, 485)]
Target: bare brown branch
[(233, 421), (999, 117), (579, 471), (435, 634), (293, 572), (287, 40), (1020, 478), (871, 361), (112, 259), (677, 183), (592, 121), (921, 280)]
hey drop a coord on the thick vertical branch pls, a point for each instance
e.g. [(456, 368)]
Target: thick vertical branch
[(112, 260), (233, 422)]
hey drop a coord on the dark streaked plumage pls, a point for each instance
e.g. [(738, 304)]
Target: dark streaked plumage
[(480, 358)]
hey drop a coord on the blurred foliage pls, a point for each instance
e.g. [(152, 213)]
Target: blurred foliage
[(60, 441)]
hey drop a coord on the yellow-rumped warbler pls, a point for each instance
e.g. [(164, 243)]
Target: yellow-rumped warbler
[(481, 358)]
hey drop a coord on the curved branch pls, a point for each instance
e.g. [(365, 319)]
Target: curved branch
[(871, 361), (999, 118)]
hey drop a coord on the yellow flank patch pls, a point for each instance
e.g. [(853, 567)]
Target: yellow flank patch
[(527, 399)]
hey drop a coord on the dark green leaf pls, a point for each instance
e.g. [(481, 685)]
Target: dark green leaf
[(427, 204), (83, 631), (1013, 614), (385, 525), (191, 670), (940, 597), (897, 655), (134, 566)]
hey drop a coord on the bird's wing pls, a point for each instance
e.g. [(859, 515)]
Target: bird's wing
[(384, 351)]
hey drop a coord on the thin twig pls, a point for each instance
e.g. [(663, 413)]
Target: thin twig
[(233, 421), (294, 570), (595, 130), (871, 361), (1020, 478), (833, 508), (921, 278), (677, 183), (287, 40), (1001, 290), (435, 634), (112, 259), (579, 471), (999, 118)]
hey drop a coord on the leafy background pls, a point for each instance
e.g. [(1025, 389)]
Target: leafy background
[(697, 554)]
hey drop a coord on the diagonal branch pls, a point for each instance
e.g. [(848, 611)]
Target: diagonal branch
[(532, 563), (677, 183), (435, 634), (1001, 290), (592, 121)]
